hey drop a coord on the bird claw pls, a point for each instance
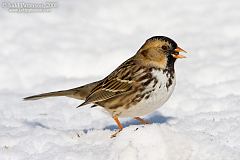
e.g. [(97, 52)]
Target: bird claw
[(115, 134)]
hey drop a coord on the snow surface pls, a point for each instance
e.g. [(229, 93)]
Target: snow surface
[(83, 41)]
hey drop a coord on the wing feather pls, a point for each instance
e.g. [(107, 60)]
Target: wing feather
[(106, 92), (117, 83)]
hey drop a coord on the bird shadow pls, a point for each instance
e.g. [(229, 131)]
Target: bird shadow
[(153, 118), (156, 118), (35, 124)]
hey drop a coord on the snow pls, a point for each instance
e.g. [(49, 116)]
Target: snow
[(83, 41)]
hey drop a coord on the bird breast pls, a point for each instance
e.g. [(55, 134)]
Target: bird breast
[(154, 95)]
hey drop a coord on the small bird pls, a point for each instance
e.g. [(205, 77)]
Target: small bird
[(139, 86)]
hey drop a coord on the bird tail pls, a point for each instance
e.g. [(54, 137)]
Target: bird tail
[(77, 93), (49, 94)]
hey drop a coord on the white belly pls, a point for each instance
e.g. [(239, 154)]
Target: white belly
[(156, 99)]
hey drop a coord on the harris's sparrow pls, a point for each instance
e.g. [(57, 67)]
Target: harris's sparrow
[(137, 87)]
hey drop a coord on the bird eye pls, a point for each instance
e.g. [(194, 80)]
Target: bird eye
[(164, 47)]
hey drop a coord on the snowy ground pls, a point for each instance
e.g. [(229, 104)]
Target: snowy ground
[(83, 41)]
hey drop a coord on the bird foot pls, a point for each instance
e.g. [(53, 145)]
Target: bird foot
[(142, 121), (115, 134)]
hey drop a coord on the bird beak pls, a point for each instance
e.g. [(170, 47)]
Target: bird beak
[(177, 50)]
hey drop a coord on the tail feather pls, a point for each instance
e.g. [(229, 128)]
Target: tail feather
[(77, 93), (50, 94)]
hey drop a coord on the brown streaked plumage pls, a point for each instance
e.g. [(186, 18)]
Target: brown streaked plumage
[(137, 87)]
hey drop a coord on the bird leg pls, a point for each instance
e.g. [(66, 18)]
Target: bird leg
[(142, 121), (120, 127)]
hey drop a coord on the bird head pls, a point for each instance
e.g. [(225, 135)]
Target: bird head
[(160, 51)]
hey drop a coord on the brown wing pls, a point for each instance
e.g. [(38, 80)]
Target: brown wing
[(120, 81), (113, 87)]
